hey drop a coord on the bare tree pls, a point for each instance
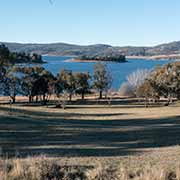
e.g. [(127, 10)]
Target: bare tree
[(126, 90), (137, 78)]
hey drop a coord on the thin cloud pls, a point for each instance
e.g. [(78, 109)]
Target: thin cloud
[(51, 1)]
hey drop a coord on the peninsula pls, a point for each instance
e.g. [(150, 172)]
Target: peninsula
[(97, 58), (9, 57)]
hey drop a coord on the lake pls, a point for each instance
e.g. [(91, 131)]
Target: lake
[(119, 70)]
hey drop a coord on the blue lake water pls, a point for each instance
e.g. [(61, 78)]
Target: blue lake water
[(119, 71)]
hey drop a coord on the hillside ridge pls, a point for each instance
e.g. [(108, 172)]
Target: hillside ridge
[(65, 49)]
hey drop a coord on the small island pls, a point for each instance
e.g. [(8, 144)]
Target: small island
[(18, 57), (114, 58)]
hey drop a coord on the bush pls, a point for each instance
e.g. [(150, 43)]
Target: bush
[(137, 78), (126, 90), (42, 168)]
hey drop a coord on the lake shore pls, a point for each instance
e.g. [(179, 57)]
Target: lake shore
[(158, 57), (79, 60), (85, 60)]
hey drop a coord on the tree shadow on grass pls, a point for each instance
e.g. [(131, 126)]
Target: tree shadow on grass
[(61, 115), (55, 136)]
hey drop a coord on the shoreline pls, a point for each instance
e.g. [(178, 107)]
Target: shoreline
[(158, 57), (80, 60)]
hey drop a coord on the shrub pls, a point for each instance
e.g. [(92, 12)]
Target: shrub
[(42, 168), (126, 90), (137, 78)]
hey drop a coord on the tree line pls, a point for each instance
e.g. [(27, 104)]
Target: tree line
[(38, 84), (109, 57), (162, 82), (8, 57)]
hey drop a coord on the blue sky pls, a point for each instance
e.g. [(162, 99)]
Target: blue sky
[(115, 22)]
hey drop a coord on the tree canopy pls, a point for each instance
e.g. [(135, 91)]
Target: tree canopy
[(102, 78)]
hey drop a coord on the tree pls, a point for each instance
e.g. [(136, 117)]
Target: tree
[(34, 82), (12, 85), (126, 90), (36, 58), (147, 91), (163, 81), (3, 72), (102, 78), (82, 83), (166, 81), (30, 75), (7, 57), (56, 87), (4, 55), (41, 86), (67, 81), (137, 78), (4, 63)]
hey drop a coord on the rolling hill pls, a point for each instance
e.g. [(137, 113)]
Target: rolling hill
[(64, 49)]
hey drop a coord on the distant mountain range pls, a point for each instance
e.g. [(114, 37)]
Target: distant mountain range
[(63, 49)]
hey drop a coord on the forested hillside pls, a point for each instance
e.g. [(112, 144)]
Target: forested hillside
[(99, 49)]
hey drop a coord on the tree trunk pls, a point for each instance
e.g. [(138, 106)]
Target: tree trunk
[(168, 101), (37, 98), (82, 95), (70, 97), (100, 94), (13, 99), (178, 96), (146, 102), (30, 99), (44, 99)]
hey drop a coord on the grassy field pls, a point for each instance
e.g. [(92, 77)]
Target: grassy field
[(121, 134), (87, 130)]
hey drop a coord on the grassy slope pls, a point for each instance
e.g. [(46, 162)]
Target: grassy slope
[(130, 138), (94, 130)]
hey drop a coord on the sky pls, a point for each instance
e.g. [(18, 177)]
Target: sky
[(84, 22)]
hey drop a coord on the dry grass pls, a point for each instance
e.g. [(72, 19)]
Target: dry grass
[(43, 168), (92, 141), (87, 130)]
